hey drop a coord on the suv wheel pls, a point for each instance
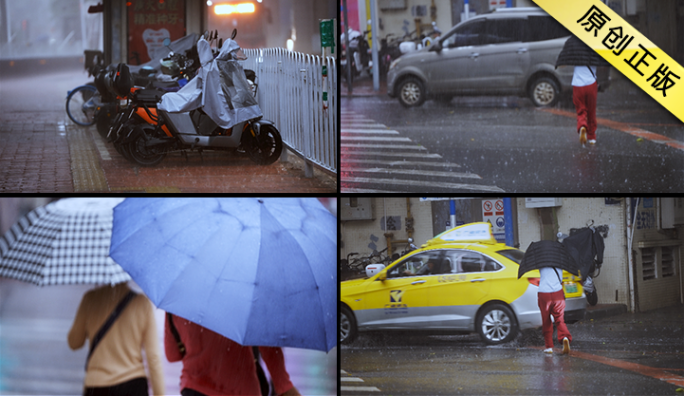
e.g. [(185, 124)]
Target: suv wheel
[(411, 92), (496, 324), (347, 326), (544, 92)]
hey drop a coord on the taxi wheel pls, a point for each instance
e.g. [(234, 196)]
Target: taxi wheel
[(496, 324), (348, 330)]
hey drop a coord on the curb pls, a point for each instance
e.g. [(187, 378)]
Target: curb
[(604, 311)]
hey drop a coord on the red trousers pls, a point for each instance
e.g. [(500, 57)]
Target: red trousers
[(584, 99), (553, 304)]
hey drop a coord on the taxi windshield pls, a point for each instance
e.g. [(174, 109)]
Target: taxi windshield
[(512, 254)]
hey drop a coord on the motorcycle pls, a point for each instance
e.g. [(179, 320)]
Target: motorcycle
[(157, 123), (580, 238), (357, 56), (108, 105)]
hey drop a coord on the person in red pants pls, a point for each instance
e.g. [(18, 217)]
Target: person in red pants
[(584, 92), (584, 84), (551, 300)]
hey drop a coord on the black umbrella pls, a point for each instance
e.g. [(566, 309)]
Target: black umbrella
[(576, 53), (547, 254)]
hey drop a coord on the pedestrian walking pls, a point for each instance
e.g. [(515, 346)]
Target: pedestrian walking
[(584, 85), (551, 300), (216, 365), (119, 324)]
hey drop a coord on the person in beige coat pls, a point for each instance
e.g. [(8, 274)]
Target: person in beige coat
[(116, 365)]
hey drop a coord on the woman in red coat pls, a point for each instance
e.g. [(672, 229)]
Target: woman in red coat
[(216, 365)]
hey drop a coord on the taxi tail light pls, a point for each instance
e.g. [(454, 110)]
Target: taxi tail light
[(534, 281)]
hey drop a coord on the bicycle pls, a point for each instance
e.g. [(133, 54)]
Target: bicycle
[(82, 102)]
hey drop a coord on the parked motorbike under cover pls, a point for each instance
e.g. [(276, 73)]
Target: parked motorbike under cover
[(220, 89), (179, 46)]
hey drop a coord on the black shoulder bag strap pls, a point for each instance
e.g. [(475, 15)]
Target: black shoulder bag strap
[(174, 331), (263, 382), (108, 323)]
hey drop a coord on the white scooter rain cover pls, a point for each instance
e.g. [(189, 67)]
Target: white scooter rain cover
[(220, 88)]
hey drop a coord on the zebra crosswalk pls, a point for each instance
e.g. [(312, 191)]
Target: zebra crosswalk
[(376, 159), (354, 384)]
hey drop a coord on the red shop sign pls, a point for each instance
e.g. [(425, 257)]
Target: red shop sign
[(149, 23)]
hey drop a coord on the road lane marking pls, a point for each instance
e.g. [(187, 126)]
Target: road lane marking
[(384, 154), (413, 183), (370, 131), (370, 125), (414, 172), (350, 379), (385, 146), (359, 389), (627, 128), (652, 372), (402, 163), (367, 191), (657, 373), (375, 138)]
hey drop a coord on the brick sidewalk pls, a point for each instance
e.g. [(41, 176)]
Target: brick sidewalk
[(44, 152)]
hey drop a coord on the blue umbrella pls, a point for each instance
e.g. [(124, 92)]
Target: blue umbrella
[(258, 271)]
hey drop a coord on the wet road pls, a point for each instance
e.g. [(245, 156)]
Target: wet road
[(505, 144), (36, 360), (640, 354)]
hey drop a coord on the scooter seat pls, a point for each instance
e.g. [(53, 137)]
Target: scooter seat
[(149, 96)]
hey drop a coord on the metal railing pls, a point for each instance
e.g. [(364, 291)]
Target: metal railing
[(291, 94)]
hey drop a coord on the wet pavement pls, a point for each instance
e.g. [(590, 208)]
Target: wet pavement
[(495, 144), (42, 151), (612, 353), (36, 360)]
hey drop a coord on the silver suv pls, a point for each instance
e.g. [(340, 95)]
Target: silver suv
[(511, 51)]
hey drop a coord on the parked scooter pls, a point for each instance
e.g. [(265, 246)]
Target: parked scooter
[(157, 123), (586, 247), (109, 105), (357, 56)]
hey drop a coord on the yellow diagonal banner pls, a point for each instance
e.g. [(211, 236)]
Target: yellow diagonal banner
[(624, 47)]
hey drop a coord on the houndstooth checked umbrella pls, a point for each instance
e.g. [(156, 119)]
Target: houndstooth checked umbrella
[(64, 242)]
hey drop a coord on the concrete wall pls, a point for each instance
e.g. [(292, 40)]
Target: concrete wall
[(654, 289), (576, 213), (357, 235)]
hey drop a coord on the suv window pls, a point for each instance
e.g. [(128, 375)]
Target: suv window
[(469, 34), (545, 28), (508, 30)]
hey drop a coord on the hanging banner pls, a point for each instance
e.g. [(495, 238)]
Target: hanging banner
[(629, 51), (149, 23)]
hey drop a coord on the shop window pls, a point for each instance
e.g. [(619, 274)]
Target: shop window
[(648, 263)]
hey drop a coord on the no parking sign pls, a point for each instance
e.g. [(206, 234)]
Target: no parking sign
[(493, 212)]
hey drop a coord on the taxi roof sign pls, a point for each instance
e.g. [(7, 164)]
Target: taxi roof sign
[(480, 232)]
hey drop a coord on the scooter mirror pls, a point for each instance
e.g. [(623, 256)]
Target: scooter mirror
[(166, 42), (220, 43), (232, 36)]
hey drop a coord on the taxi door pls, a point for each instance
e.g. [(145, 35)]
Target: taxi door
[(401, 301), (462, 289)]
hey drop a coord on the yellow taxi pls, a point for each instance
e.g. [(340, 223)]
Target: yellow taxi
[(460, 281)]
